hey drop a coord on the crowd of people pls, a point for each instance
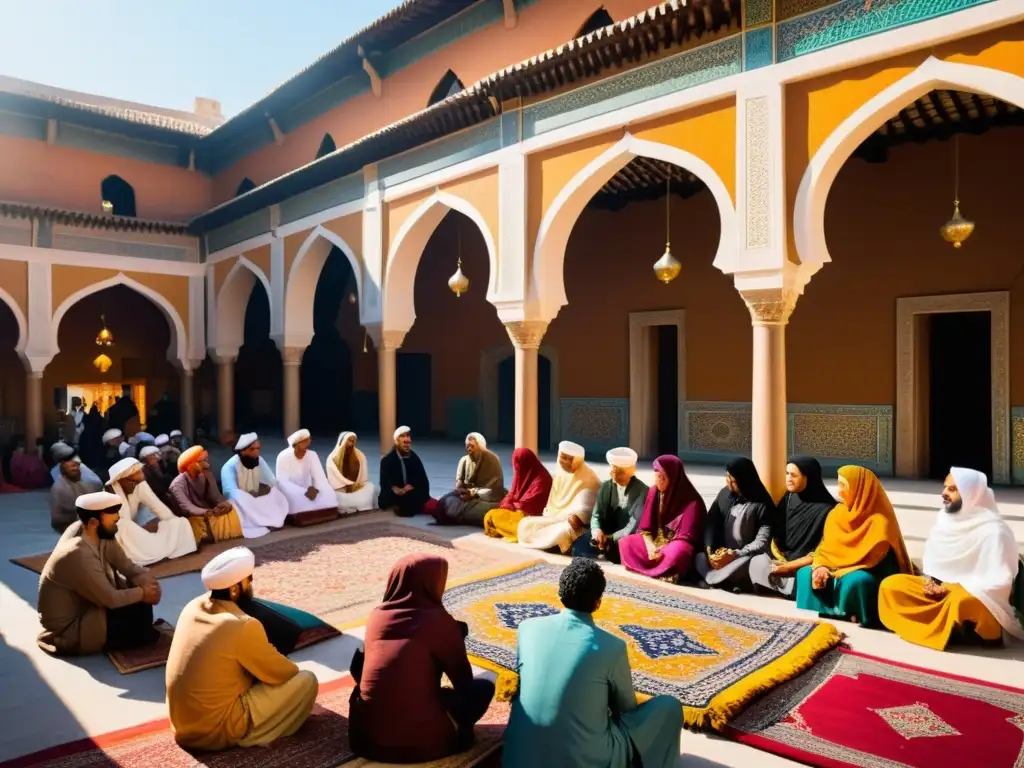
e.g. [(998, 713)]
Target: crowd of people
[(229, 682)]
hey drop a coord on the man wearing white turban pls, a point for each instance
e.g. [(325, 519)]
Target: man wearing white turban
[(246, 480), (479, 486), (217, 651), (173, 536), (404, 487), (347, 474), (112, 440), (570, 504), (61, 452), (68, 486), (620, 503), (970, 563), (302, 480)]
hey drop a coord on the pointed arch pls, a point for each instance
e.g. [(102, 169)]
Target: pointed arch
[(327, 146), (821, 172), (177, 351), (407, 250), (232, 301), (120, 194), (447, 86), (19, 318), (547, 279), (244, 186), (303, 277), (599, 19)]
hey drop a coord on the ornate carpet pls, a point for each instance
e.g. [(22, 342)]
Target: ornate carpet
[(856, 710), (322, 742), (713, 658)]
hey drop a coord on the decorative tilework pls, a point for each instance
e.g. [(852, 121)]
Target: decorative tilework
[(757, 12), (598, 424), (343, 190), (675, 73), (1017, 436), (758, 48), (843, 434), (714, 431), (464, 415), (756, 132), (460, 147), (787, 9), (853, 19), (248, 226)]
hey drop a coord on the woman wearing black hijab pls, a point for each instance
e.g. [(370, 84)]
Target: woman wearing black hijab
[(738, 528), (797, 528)]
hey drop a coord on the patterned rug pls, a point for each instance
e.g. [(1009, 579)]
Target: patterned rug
[(322, 742), (713, 658), (856, 710)]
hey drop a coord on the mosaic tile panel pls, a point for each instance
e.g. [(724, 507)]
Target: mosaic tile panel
[(758, 48), (787, 9), (757, 12), (1017, 437), (337, 192), (839, 434), (598, 424), (715, 431), (854, 19), (466, 145)]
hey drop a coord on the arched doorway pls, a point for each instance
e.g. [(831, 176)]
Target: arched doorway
[(120, 196), (12, 380), (258, 372)]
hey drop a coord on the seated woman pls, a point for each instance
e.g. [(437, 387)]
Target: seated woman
[(479, 486), (398, 711), (970, 563), (797, 527), (671, 529), (861, 545), (738, 528), (347, 474), (531, 486)]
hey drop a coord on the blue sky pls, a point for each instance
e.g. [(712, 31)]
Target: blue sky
[(165, 52)]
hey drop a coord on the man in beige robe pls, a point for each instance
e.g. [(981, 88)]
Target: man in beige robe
[(570, 504)]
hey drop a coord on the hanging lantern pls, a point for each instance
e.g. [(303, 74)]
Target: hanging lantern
[(108, 207), (104, 338), (668, 267), (957, 229), (102, 363), (458, 282)]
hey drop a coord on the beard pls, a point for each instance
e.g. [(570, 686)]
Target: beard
[(249, 462), (952, 507), (106, 533)]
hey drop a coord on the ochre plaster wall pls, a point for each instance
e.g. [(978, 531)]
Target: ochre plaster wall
[(14, 280), (63, 177), (67, 280)]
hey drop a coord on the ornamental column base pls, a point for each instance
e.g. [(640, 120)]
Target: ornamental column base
[(526, 338)]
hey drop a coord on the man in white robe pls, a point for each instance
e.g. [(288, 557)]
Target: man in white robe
[(247, 481), (354, 490), (173, 536), (62, 452), (301, 478), (570, 504)]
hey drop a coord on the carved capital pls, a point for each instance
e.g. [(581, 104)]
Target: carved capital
[(224, 358), (292, 355), (385, 340), (772, 306), (526, 334)]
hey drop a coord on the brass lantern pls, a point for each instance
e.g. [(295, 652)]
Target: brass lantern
[(104, 338), (458, 282), (102, 363), (957, 229), (108, 207), (668, 267)]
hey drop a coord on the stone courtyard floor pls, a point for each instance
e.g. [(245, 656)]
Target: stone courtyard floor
[(50, 701)]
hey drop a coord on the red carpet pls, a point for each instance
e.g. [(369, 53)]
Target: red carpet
[(856, 710)]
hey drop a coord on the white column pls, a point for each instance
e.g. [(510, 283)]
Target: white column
[(225, 395), (526, 337), (33, 408), (387, 381), (291, 358), (374, 250), (188, 408)]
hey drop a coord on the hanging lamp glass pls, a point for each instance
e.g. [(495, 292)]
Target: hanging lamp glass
[(458, 282), (668, 267), (957, 229), (104, 338)]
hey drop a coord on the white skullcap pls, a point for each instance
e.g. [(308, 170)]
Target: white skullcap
[(161, 440), (175, 433), (123, 468), (143, 437), (111, 434), (480, 439), (402, 431), (621, 457), (298, 437), (229, 568), (61, 451), (571, 449), (149, 450), (125, 449), (97, 502), (246, 440)]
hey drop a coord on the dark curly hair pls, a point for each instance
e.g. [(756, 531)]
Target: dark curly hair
[(581, 585)]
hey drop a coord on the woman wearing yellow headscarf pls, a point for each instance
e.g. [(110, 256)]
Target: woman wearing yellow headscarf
[(860, 546)]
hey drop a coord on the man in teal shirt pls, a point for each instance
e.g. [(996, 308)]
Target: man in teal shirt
[(576, 705)]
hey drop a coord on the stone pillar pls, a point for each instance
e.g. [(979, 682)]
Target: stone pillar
[(291, 357), (188, 407), (526, 337), (769, 311), (387, 379), (33, 409), (225, 395)]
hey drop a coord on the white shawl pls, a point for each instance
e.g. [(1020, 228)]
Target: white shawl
[(976, 549), (338, 480)]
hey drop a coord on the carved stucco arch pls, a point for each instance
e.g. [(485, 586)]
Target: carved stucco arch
[(176, 352), (547, 275), (821, 172), (232, 301), (404, 256), (19, 318)]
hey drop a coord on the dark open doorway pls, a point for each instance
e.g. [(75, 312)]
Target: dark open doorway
[(667, 357), (507, 401), (414, 392), (960, 392)]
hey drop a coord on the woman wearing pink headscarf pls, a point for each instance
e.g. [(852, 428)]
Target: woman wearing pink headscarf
[(671, 529)]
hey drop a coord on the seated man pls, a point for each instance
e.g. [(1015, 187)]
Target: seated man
[(620, 503), (570, 504), (576, 705), (247, 481), (404, 487), (61, 451), (149, 532), (168, 455), (217, 652), (301, 478), (479, 486), (70, 484), (970, 563), (112, 440), (158, 480), (348, 475), (179, 441), (196, 497), (92, 597)]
